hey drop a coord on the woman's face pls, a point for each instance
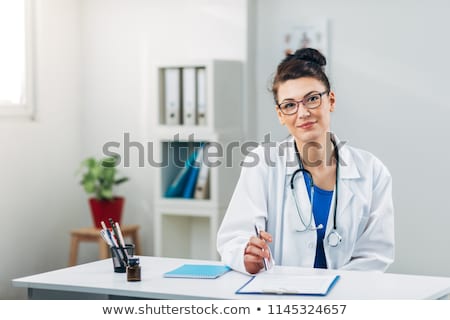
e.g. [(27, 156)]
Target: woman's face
[(306, 125)]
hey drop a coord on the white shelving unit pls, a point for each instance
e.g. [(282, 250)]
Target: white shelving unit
[(187, 228)]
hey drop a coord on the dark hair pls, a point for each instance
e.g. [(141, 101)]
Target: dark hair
[(306, 62)]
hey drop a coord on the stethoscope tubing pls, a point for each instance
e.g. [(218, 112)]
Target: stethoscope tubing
[(333, 238)]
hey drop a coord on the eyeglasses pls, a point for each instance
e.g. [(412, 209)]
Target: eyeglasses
[(311, 101)]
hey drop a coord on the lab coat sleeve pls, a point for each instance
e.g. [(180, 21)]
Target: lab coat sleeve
[(374, 249), (248, 206)]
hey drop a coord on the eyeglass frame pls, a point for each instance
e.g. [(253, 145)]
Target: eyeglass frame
[(297, 102)]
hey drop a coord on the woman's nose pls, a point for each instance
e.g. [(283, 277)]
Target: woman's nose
[(303, 112)]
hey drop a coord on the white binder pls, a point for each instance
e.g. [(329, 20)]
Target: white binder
[(201, 96), (189, 92), (202, 185), (172, 95)]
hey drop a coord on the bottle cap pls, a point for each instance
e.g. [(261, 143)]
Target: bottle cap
[(133, 261)]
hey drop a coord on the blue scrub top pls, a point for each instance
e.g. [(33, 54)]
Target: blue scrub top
[(321, 209)]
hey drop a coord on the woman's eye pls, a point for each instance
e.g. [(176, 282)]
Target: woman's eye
[(289, 105), (313, 98)]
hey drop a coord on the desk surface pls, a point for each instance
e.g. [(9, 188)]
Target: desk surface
[(98, 278)]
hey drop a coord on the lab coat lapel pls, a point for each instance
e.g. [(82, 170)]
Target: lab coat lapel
[(347, 172), (291, 158)]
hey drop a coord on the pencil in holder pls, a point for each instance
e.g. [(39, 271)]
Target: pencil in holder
[(119, 262)]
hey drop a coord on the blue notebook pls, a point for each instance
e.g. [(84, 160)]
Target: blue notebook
[(197, 271)]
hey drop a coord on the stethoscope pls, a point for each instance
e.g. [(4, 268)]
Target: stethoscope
[(334, 238)]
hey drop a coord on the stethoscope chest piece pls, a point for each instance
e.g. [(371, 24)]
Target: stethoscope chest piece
[(334, 238)]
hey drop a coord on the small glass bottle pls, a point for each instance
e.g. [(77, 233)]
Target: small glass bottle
[(133, 269)]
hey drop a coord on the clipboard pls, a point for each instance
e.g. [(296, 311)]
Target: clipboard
[(269, 283)]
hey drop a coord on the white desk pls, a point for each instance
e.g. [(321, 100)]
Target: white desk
[(97, 280)]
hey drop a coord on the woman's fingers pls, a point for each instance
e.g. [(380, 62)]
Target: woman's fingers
[(265, 236), (255, 251), (253, 267), (258, 247), (253, 263)]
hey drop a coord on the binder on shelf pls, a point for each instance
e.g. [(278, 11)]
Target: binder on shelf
[(202, 185), (178, 185), (172, 95), (188, 100), (194, 170), (201, 96)]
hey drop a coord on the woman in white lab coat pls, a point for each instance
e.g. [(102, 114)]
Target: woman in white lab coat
[(348, 224)]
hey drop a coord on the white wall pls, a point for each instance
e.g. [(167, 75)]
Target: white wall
[(120, 42), (94, 59), (40, 199), (389, 69)]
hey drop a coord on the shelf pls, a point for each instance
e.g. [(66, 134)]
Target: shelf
[(189, 233), (188, 133), (175, 156), (179, 205), (182, 235), (187, 227), (221, 94), (223, 171)]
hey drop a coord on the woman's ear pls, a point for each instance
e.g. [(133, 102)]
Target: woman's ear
[(332, 99), (280, 115)]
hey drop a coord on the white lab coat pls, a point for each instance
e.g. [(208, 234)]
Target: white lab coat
[(365, 215)]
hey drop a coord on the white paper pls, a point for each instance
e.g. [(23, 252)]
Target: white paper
[(288, 284)]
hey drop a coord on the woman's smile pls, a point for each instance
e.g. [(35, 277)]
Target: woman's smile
[(307, 125)]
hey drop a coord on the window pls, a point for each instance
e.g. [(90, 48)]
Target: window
[(16, 58)]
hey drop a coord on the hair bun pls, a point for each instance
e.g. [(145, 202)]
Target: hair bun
[(310, 55)]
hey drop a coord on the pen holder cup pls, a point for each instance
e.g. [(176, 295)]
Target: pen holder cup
[(118, 259)]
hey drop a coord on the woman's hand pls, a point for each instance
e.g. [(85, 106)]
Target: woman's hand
[(255, 251)]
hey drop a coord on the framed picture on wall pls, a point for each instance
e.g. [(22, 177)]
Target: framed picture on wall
[(308, 33)]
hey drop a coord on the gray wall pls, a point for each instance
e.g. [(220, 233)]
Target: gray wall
[(389, 68)]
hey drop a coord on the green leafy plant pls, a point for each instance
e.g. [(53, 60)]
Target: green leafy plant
[(99, 177)]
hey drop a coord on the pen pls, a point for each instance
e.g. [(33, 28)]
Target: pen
[(111, 237), (108, 234), (106, 237), (116, 234), (258, 235), (122, 242)]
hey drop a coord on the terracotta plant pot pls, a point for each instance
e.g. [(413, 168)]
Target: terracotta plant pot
[(102, 210)]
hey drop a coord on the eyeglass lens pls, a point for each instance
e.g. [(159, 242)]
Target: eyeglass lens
[(310, 102)]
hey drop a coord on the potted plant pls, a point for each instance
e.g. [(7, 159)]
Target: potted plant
[(99, 178)]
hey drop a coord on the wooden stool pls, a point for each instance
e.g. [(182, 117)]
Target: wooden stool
[(92, 234)]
